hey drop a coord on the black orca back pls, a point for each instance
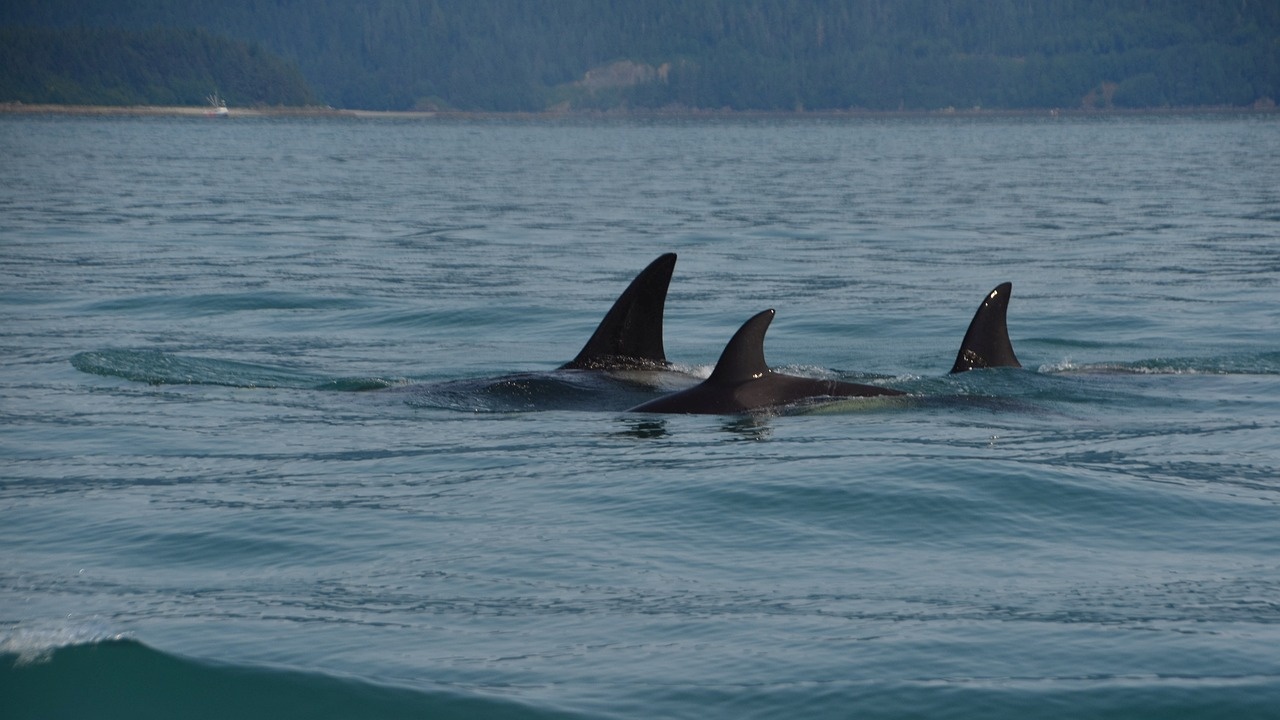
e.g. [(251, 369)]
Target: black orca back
[(742, 381)]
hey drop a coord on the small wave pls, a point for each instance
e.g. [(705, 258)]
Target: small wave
[(359, 384), (214, 304), (86, 673), (1244, 364), (161, 368), (702, 372), (155, 367), (35, 644)]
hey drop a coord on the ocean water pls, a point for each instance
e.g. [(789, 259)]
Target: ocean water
[(254, 462)]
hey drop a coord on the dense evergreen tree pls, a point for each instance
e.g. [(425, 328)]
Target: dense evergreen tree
[(741, 54)]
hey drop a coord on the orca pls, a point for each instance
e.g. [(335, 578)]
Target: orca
[(623, 362), (742, 381), (630, 335), (986, 343)]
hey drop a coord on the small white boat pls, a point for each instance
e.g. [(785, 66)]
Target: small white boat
[(217, 106)]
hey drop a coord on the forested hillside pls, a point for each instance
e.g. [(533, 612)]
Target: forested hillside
[(503, 55), (96, 66)]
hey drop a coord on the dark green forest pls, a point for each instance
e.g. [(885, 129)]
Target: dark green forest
[(778, 55), (94, 66)]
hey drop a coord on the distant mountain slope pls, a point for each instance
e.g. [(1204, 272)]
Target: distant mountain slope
[(740, 54), (96, 66)]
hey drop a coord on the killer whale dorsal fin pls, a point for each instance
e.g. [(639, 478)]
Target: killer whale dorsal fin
[(630, 335), (986, 344), (743, 357)]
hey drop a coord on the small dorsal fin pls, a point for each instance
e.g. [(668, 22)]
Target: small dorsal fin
[(986, 344), (630, 334), (743, 357)]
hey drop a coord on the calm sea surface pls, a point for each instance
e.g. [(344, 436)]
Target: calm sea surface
[(251, 463)]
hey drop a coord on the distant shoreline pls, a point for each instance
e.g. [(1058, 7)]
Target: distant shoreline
[(17, 108), (12, 108)]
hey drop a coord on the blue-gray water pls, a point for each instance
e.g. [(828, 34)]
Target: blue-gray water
[(248, 468)]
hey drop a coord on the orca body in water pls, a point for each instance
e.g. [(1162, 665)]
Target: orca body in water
[(624, 362), (742, 382)]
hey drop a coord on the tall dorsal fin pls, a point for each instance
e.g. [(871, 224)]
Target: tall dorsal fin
[(986, 344), (743, 357), (630, 334)]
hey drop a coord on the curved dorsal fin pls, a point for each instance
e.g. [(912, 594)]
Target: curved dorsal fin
[(986, 344), (631, 332), (743, 357)]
